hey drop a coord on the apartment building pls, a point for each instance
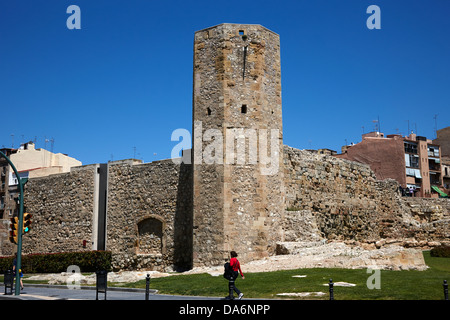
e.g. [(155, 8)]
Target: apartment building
[(443, 139), (414, 161), (446, 174)]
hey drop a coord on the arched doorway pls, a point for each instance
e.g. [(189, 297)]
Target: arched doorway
[(151, 236)]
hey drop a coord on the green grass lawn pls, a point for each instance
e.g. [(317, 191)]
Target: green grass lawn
[(394, 285)]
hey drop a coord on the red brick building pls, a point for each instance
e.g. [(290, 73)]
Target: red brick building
[(414, 161)]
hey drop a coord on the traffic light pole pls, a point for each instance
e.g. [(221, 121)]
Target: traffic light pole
[(20, 229)]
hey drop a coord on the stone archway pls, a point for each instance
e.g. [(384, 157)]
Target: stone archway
[(151, 239)]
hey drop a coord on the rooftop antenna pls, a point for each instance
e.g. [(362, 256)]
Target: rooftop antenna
[(52, 140), (12, 141), (376, 128)]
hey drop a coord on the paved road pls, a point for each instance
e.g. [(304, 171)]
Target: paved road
[(45, 292)]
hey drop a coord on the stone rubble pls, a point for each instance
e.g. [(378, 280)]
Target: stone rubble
[(302, 294), (302, 255)]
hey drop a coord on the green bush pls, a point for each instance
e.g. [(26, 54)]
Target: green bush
[(441, 251), (87, 261)]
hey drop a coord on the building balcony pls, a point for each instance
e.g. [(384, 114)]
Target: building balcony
[(433, 154), (435, 181)]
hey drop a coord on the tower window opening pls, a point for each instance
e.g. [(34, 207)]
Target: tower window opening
[(244, 108), (208, 111), (241, 32)]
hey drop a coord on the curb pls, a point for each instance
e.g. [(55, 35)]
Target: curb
[(56, 286)]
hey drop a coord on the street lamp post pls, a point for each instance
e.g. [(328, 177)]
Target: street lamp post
[(20, 229)]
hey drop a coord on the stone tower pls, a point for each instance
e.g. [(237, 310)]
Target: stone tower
[(237, 143)]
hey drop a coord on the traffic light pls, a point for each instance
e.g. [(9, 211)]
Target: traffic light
[(26, 222), (14, 228)]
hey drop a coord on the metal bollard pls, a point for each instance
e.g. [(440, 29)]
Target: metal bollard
[(147, 286), (102, 283), (331, 289), (445, 285)]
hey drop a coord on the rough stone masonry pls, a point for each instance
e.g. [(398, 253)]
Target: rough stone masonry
[(237, 86), (167, 215)]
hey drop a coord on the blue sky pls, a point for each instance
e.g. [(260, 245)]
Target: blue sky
[(122, 84)]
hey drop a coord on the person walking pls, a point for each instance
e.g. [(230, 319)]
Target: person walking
[(236, 270)]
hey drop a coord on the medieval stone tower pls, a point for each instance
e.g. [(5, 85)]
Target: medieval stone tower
[(237, 143)]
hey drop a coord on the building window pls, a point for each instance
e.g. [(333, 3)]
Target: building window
[(244, 108), (241, 32), (410, 147), (208, 111), (414, 161)]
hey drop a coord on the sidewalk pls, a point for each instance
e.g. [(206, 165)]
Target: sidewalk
[(62, 292)]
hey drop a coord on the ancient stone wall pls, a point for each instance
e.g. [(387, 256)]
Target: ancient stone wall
[(6, 247), (426, 220), (149, 214), (344, 201), (149, 217), (62, 206)]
